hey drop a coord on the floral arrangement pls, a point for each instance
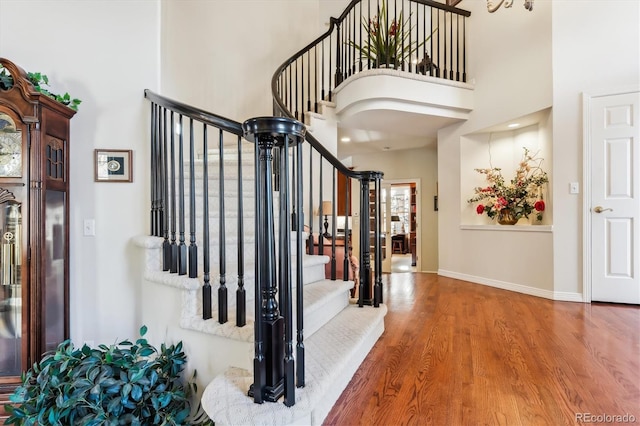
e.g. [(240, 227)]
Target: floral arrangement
[(516, 199), (387, 43)]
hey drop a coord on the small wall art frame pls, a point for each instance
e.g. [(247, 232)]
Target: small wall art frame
[(113, 165)]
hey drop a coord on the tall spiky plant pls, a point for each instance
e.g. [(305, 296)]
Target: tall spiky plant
[(387, 40)]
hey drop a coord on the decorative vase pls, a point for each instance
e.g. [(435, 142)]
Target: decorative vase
[(506, 217)]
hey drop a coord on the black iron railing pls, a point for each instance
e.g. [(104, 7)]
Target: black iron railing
[(184, 203)]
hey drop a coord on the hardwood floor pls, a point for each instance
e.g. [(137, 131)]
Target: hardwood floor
[(456, 353)]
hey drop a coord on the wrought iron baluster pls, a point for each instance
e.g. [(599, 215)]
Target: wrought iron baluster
[(166, 245), (222, 288), (193, 248), (300, 378), (206, 288), (154, 175), (241, 296), (310, 242), (151, 187)]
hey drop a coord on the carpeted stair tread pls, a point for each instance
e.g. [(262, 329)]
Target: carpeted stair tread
[(332, 354)]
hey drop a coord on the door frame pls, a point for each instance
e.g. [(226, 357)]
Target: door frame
[(587, 262), (415, 181)]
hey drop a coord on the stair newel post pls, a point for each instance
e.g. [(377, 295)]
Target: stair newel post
[(174, 217), (347, 232), (267, 132), (299, 275), (182, 248), (222, 288), (285, 275), (364, 293), (259, 368), (193, 248), (241, 294), (206, 257), (377, 287), (320, 212), (166, 245), (333, 224)]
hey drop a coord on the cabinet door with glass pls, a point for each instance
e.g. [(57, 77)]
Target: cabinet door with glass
[(13, 202), (34, 230)]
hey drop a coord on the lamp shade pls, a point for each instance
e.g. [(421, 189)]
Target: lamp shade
[(327, 208), (395, 218)]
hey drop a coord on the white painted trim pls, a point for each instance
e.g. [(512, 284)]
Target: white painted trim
[(586, 198), (518, 288), (509, 228)]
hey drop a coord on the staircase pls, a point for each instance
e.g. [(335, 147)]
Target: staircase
[(256, 314), (337, 332)]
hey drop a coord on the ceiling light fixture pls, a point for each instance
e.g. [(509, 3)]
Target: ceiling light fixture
[(346, 139), (493, 6), (512, 125)]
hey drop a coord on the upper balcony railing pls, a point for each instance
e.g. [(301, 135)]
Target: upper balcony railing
[(416, 36)]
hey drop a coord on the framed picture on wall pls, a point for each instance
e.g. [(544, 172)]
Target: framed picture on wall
[(113, 165)]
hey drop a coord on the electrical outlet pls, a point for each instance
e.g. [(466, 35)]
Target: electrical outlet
[(89, 227)]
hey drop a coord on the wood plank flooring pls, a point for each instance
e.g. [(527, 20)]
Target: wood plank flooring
[(456, 353)]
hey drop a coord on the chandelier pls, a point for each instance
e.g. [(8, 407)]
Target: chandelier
[(493, 6)]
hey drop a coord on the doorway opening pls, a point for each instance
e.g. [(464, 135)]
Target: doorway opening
[(403, 226)]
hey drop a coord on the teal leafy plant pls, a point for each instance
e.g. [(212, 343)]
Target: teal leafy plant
[(40, 83), (517, 198), (387, 41), (124, 383)]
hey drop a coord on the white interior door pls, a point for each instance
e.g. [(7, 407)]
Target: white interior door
[(615, 198)]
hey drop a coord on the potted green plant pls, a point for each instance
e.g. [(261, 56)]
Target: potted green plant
[(40, 82), (126, 383), (387, 41)]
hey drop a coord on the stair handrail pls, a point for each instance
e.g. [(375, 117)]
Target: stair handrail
[(207, 117)]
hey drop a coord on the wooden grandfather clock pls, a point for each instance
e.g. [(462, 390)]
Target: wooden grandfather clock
[(34, 226)]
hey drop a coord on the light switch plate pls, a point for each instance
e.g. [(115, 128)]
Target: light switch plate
[(574, 188), (89, 227)]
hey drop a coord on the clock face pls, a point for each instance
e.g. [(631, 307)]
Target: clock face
[(10, 154)]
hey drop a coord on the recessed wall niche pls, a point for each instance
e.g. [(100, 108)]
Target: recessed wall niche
[(503, 149)]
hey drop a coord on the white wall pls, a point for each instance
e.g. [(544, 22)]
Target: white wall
[(524, 62), (106, 53), (420, 164), (510, 61), (584, 29), (220, 55)]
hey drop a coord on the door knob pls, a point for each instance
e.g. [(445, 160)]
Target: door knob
[(600, 209)]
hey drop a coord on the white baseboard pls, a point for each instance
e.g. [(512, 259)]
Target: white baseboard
[(519, 288)]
